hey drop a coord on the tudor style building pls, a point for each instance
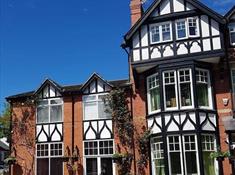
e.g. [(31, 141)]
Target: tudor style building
[(179, 69), (181, 55)]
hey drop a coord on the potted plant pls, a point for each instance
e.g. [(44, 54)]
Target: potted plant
[(10, 160), (219, 155)]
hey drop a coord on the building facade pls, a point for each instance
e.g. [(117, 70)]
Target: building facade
[(182, 80)]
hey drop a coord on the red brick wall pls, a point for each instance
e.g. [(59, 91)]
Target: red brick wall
[(23, 138), (222, 90), (136, 10)]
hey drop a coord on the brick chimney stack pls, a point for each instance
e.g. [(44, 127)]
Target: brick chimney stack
[(136, 11)]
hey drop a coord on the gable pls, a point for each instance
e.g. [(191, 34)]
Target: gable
[(177, 6), (95, 84), (48, 89), (163, 9)]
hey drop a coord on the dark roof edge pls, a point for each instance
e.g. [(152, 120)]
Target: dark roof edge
[(68, 88), (229, 13), (152, 7)]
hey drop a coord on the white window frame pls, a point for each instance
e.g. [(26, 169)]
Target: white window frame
[(197, 27), (186, 29), (186, 20), (49, 157), (164, 91), (49, 111), (148, 94), (209, 89), (180, 152), (196, 150), (212, 150), (98, 156), (96, 100), (160, 32), (191, 88), (152, 154), (232, 25)]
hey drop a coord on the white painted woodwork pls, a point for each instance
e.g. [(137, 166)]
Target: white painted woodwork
[(195, 47), (91, 129), (182, 49), (168, 51), (52, 91), (216, 43), (136, 55), (205, 26), (100, 86), (165, 7), (178, 5), (145, 54), (189, 7), (206, 45), (144, 36), (214, 28), (135, 41)]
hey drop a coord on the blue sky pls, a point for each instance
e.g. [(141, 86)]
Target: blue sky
[(65, 40)]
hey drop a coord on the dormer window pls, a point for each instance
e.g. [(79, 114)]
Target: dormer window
[(232, 33), (160, 32)]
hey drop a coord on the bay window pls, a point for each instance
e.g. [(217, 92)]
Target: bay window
[(232, 33), (170, 89), (95, 107), (203, 88), (208, 147), (185, 88), (160, 32), (190, 154), (158, 166), (175, 156), (49, 110), (153, 93)]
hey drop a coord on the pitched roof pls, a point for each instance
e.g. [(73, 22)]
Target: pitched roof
[(153, 6), (70, 88), (230, 13), (4, 144)]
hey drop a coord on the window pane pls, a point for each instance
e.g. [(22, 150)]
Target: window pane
[(170, 96), (43, 166), (185, 91), (191, 162), (106, 166), (56, 113), (56, 166), (42, 114), (155, 99), (91, 166), (175, 163), (155, 34), (103, 108), (202, 94), (157, 155), (166, 35), (209, 164), (232, 37), (90, 110), (181, 31), (192, 23)]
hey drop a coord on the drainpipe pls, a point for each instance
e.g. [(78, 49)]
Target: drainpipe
[(73, 123)]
